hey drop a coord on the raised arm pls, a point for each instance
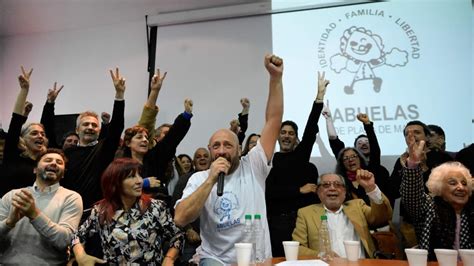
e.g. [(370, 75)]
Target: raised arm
[(379, 213), (155, 88), (119, 84), (165, 149), (116, 124), (412, 187), (53, 93), (27, 109), (150, 110), (24, 80), (373, 142), (332, 134), (334, 142), (243, 119), (112, 139), (47, 117), (311, 129), (104, 125), (19, 116), (274, 109), (180, 126)]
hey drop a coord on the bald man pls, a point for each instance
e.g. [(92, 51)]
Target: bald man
[(222, 218)]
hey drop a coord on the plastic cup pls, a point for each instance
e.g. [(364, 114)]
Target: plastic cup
[(417, 257), (352, 249), (446, 257), (467, 256), (291, 249), (244, 251)]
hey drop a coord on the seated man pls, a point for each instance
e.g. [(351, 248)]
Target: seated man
[(37, 223), (348, 220)]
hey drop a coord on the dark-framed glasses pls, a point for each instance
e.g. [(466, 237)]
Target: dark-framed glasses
[(347, 158), (335, 184)]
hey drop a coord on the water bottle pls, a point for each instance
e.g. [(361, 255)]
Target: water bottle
[(259, 239), (249, 236), (325, 251)]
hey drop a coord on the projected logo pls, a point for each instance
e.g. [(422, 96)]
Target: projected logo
[(361, 52), (362, 49)]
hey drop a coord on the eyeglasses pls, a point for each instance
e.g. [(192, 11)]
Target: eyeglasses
[(347, 158), (335, 184)]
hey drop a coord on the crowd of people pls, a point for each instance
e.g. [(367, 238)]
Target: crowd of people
[(109, 195)]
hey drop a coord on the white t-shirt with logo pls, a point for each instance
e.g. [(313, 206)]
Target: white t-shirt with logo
[(222, 218)]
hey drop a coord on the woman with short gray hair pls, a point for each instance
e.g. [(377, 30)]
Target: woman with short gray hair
[(445, 217)]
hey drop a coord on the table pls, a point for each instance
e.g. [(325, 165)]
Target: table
[(360, 262)]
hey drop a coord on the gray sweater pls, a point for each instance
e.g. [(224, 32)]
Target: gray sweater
[(43, 240)]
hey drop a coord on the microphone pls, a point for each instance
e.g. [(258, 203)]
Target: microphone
[(220, 184)]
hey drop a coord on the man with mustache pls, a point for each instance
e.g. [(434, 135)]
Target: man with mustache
[(37, 223), (222, 217), (347, 220), (88, 160)]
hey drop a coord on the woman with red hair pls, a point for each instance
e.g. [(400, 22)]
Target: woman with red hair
[(132, 227)]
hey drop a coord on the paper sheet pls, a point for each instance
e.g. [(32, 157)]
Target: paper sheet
[(303, 263)]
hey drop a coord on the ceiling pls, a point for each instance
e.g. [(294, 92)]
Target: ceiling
[(18, 17), (21, 17)]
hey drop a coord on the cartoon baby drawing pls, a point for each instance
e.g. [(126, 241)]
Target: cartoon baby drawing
[(224, 206), (361, 52)]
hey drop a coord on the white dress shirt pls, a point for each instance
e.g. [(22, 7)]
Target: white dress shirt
[(341, 228)]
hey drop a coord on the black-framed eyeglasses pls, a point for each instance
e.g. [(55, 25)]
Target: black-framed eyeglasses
[(347, 158), (335, 184)]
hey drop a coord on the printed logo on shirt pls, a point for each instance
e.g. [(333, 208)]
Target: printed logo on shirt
[(224, 208)]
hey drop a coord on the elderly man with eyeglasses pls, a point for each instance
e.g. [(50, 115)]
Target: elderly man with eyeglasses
[(347, 220)]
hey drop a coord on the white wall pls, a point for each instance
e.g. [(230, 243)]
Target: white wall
[(80, 60), (213, 63)]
